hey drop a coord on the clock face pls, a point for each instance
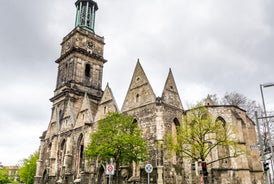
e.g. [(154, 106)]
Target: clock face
[(90, 44)]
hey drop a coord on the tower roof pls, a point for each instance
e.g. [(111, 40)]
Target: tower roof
[(90, 1), (85, 14)]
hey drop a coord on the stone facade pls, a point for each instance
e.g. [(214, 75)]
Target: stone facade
[(79, 102), (246, 168), (13, 172)]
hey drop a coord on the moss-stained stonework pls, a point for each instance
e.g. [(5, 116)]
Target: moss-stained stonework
[(79, 103)]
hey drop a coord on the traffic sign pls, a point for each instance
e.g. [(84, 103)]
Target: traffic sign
[(148, 168), (109, 169), (254, 147)]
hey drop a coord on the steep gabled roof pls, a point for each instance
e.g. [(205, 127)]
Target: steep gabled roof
[(107, 104), (86, 110), (170, 93), (69, 112), (140, 92)]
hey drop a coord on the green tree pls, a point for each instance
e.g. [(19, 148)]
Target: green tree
[(27, 171), (119, 138), (4, 177), (199, 135)]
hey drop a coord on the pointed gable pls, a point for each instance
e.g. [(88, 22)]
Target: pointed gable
[(170, 93), (209, 101), (85, 113), (66, 121), (69, 112), (86, 106), (140, 91), (54, 115), (53, 126), (107, 104)]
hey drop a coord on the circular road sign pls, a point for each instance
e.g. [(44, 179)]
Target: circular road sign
[(148, 168), (110, 169)]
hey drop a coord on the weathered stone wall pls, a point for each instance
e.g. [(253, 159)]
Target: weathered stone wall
[(245, 168), (79, 103)]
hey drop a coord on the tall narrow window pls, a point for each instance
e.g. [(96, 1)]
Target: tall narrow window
[(82, 161), (137, 98), (80, 158), (89, 16), (61, 157), (87, 70), (45, 177), (223, 150), (174, 130), (59, 119), (65, 73), (83, 14)]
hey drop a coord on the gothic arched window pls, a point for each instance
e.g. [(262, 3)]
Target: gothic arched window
[(223, 150), (80, 161), (220, 119), (60, 113), (174, 129), (61, 157)]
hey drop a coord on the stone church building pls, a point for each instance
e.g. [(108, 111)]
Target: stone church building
[(79, 102)]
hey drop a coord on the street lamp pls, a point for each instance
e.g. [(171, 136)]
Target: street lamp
[(266, 85)]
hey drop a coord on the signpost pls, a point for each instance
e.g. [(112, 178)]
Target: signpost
[(254, 147), (109, 171), (148, 169)]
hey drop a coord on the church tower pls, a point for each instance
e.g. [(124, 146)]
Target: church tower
[(80, 66), (77, 98), (79, 103)]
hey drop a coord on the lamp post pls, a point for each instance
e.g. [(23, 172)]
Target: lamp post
[(266, 85), (266, 178)]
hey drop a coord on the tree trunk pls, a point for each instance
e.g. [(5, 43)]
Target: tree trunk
[(117, 172)]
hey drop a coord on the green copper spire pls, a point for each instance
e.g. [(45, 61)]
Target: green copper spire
[(85, 14)]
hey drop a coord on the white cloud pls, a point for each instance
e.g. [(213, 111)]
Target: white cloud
[(19, 141), (211, 47)]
